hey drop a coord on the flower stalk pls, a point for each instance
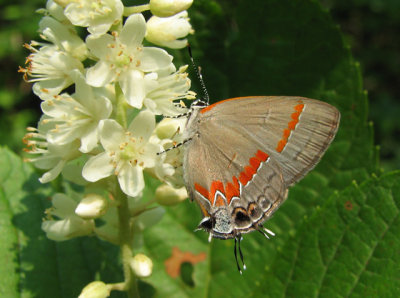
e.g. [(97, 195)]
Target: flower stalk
[(120, 106), (136, 9), (126, 238)]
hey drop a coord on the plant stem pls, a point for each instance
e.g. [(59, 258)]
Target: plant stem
[(135, 9), (121, 107), (125, 236)]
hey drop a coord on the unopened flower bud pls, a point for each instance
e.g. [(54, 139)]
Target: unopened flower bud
[(62, 3), (167, 8), (96, 289), (167, 128), (166, 31), (167, 195), (141, 265), (92, 206)]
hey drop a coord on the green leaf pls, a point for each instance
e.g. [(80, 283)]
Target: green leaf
[(348, 248), (32, 265)]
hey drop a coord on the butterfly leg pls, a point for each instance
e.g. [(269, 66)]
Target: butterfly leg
[(187, 114), (240, 252), (235, 252), (174, 146)]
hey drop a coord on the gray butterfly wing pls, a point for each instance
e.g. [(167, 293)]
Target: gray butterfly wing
[(295, 131), (243, 154), (237, 185)]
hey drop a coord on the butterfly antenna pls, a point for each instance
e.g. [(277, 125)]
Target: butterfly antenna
[(199, 76), (241, 254), (235, 252)]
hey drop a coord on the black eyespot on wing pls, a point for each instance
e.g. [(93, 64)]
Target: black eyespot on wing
[(254, 211), (206, 224), (240, 216)]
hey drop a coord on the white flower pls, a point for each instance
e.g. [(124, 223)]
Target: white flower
[(50, 65), (69, 224), (166, 8), (126, 154), (122, 58), (64, 37), (77, 116), (141, 265), (51, 157), (97, 15), (50, 69), (163, 90), (167, 31)]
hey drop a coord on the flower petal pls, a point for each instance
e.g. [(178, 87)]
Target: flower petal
[(82, 89), (175, 44), (99, 45), (89, 140), (111, 134), (53, 173), (143, 125), (133, 86), (131, 180), (150, 157), (60, 230), (153, 59), (98, 167), (133, 32), (100, 75)]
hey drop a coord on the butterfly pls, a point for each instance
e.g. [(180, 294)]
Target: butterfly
[(242, 154)]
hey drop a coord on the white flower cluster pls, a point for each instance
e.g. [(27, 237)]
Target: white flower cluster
[(100, 97)]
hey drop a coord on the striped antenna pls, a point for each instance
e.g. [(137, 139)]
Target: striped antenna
[(199, 76)]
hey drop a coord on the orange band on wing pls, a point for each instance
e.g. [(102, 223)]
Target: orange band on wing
[(262, 155), (201, 190), (232, 188), (207, 108), (291, 126)]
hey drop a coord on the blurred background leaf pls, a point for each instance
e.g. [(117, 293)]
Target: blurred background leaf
[(18, 107), (372, 28)]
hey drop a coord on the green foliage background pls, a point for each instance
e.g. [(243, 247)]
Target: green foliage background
[(337, 234)]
